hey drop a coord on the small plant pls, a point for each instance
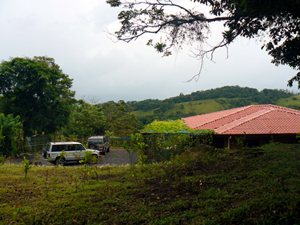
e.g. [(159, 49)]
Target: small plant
[(2, 159), (47, 183), (26, 166), (77, 181), (36, 159), (89, 159), (61, 159), (139, 146), (130, 152), (16, 212)]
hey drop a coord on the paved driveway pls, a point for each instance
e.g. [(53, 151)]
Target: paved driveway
[(114, 157), (118, 157)]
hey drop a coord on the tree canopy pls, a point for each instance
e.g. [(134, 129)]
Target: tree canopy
[(38, 91), (86, 120), (119, 120), (277, 22)]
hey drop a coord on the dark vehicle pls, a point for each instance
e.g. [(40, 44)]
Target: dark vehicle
[(100, 143)]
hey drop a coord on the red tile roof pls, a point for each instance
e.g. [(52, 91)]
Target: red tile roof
[(253, 119)]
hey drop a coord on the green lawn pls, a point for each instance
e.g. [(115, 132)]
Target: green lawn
[(199, 187)]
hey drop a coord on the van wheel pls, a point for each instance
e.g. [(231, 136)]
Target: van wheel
[(60, 162), (107, 150)]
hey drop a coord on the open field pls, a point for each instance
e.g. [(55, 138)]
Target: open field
[(200, 187)]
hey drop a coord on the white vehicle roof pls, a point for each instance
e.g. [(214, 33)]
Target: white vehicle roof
[(65, 143), (96, 137)]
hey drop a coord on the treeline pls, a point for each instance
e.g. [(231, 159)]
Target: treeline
[(266, 96), (227, 97)]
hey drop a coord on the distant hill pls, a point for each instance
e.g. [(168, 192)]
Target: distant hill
[(212, 100)]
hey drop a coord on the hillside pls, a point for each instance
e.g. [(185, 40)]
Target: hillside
[(201, 102)]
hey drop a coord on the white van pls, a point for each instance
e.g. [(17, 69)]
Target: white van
[(74, 151)]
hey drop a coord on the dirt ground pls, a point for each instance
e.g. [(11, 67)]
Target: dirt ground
[(114, 157)]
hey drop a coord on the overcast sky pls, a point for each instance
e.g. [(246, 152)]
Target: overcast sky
[(72, 32)]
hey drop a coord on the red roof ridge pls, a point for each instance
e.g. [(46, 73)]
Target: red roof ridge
[(252, 119), (288, 110), (219, 118), (243, 120)]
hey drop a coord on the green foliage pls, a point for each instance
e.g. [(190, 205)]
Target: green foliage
[(26, 166), (89, 158), (86, 120), (36, 159), (137, 145), (2, 159), (120, 122), (196, 187), (171, 126), (38, 91), (10, 129)]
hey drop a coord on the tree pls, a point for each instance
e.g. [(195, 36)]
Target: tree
[(86, 120), (275, 21), (38, 91), (119, 120), (10, 128)]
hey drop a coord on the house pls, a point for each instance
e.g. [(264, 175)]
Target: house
[(256, 124)]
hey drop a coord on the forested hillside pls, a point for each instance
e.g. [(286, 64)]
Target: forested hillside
[(210, 101)]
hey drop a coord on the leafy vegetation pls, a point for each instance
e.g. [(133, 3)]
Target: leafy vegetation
[(208, 101), (10, 130), (121, 123), (170, 126), (85, 120), (38, 92), (199, 187)]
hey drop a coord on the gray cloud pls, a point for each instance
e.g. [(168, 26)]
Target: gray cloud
[(72, 32)]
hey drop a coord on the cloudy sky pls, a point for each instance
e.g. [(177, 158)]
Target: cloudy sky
[(72, 32)]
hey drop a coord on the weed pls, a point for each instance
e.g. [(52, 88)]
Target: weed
[(26, 166), (60, 160), (47, 183), (36, 159), (2, 159), (16, 212)]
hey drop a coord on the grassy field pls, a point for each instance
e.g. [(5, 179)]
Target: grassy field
[(200, 187), (293, 102), (186, 109), (195, 107)]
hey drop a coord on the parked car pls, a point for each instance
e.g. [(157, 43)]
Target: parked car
[(74, 151), (100, 143)]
